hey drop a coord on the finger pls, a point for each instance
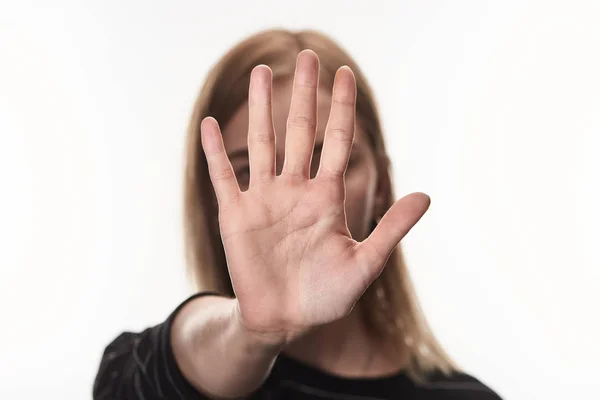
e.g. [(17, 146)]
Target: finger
[(339, 133), (221, 173), (302, 120), (261, 133), (395, 224)]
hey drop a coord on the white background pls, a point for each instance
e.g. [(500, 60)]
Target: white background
[(490, 107)]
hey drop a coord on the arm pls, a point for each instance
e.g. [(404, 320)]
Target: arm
[(216, 353), (200, 352)]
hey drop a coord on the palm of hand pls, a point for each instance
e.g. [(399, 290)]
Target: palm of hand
[(291, 259)]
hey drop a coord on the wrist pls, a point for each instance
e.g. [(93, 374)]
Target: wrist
[(271, 342)]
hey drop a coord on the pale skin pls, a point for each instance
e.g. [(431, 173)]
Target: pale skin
[(295, 229)]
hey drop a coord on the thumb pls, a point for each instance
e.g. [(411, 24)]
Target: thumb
[(395, 224)]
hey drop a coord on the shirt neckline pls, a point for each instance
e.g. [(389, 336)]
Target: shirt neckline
[(298, 375)]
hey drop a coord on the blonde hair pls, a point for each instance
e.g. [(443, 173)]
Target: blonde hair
[(389, 307)]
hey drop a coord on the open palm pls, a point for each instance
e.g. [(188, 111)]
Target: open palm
[(292, 261)]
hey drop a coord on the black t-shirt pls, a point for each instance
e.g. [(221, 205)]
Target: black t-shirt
[(141, 366)]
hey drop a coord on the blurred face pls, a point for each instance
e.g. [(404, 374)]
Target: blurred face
[(361, 175)]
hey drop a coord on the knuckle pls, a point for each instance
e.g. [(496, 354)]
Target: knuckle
[(344, 101), (296, 171), (310, 87), (259, 101), (332, 173), (301, 121), (261, 177), (262, 137), (376, 254), (222, 174), (341, 133)]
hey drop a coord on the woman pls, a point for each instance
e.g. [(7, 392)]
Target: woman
[(292, 234)]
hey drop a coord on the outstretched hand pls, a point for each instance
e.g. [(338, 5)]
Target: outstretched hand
[(291, 258)]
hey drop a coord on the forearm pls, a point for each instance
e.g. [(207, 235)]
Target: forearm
[(216, 353)]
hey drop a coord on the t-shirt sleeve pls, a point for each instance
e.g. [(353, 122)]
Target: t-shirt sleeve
[(142, 366)]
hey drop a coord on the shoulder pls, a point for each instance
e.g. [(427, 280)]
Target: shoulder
[(458, 385)]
